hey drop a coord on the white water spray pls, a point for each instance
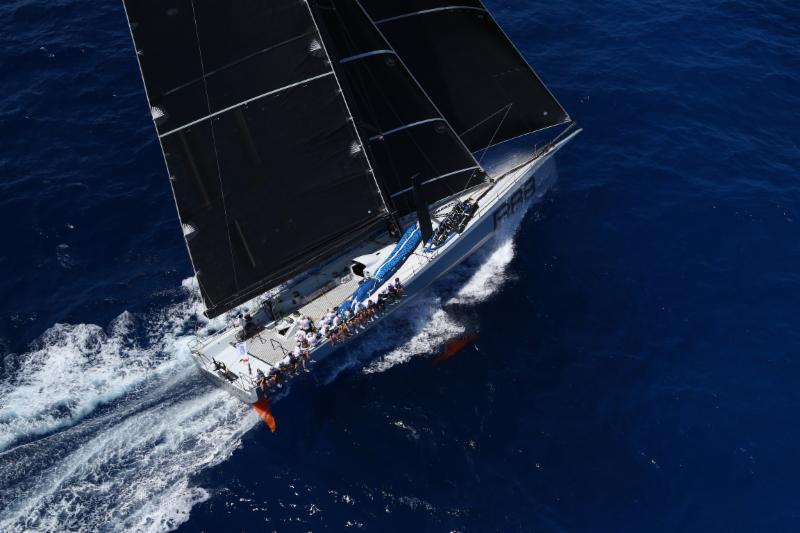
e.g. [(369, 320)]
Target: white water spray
[(101, 429)]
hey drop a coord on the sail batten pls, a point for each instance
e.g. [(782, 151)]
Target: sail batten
[(437, 178), (425, 12), (248, 101), (238, 61), (365, 54), (404, 127), (380, 10)]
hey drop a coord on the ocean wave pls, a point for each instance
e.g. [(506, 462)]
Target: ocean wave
[(433, 329), (424, 326), (101, 429), (128, 473)]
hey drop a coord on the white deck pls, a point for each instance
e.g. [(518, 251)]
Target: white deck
[(271, 348)]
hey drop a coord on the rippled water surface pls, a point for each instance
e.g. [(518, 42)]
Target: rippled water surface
[(636, 367)]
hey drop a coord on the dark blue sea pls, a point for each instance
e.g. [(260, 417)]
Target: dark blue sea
[(637, 366)]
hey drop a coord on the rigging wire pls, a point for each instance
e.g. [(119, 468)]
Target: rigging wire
[(480, 161), (216, 153)]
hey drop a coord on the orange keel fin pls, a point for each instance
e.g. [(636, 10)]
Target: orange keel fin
[(455, 346)]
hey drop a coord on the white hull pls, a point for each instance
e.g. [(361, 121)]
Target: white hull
[(511, 193)]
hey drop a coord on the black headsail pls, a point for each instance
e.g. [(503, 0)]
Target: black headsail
[(405, 134), (268, 170), (473, 73)]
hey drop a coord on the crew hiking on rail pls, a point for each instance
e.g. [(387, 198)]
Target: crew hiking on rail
[(333, 327)]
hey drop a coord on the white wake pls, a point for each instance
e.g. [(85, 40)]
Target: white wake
[(101, 429)]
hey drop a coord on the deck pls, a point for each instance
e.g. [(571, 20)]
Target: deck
[(270, 348)]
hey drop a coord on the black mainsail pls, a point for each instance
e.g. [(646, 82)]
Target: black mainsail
[(291, 128), (268, 172)]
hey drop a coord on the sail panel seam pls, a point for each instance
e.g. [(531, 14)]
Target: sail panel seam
[(245, 102), (216, 152), (365, 54)]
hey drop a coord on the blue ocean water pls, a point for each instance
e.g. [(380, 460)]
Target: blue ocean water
[(636, 367)]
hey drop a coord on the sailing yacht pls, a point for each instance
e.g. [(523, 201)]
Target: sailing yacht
[(319, 150)]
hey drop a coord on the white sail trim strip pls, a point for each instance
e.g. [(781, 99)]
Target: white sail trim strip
[(245, 102), (437, 178), (426, 11), (405, 127), (365, 54)]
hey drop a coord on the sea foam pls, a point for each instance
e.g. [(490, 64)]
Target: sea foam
[(101, 429)]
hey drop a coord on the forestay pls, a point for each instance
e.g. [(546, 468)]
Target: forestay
[(472, 72), (267, 168)]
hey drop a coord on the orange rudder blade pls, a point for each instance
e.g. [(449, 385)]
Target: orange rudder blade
[(265, 412)]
